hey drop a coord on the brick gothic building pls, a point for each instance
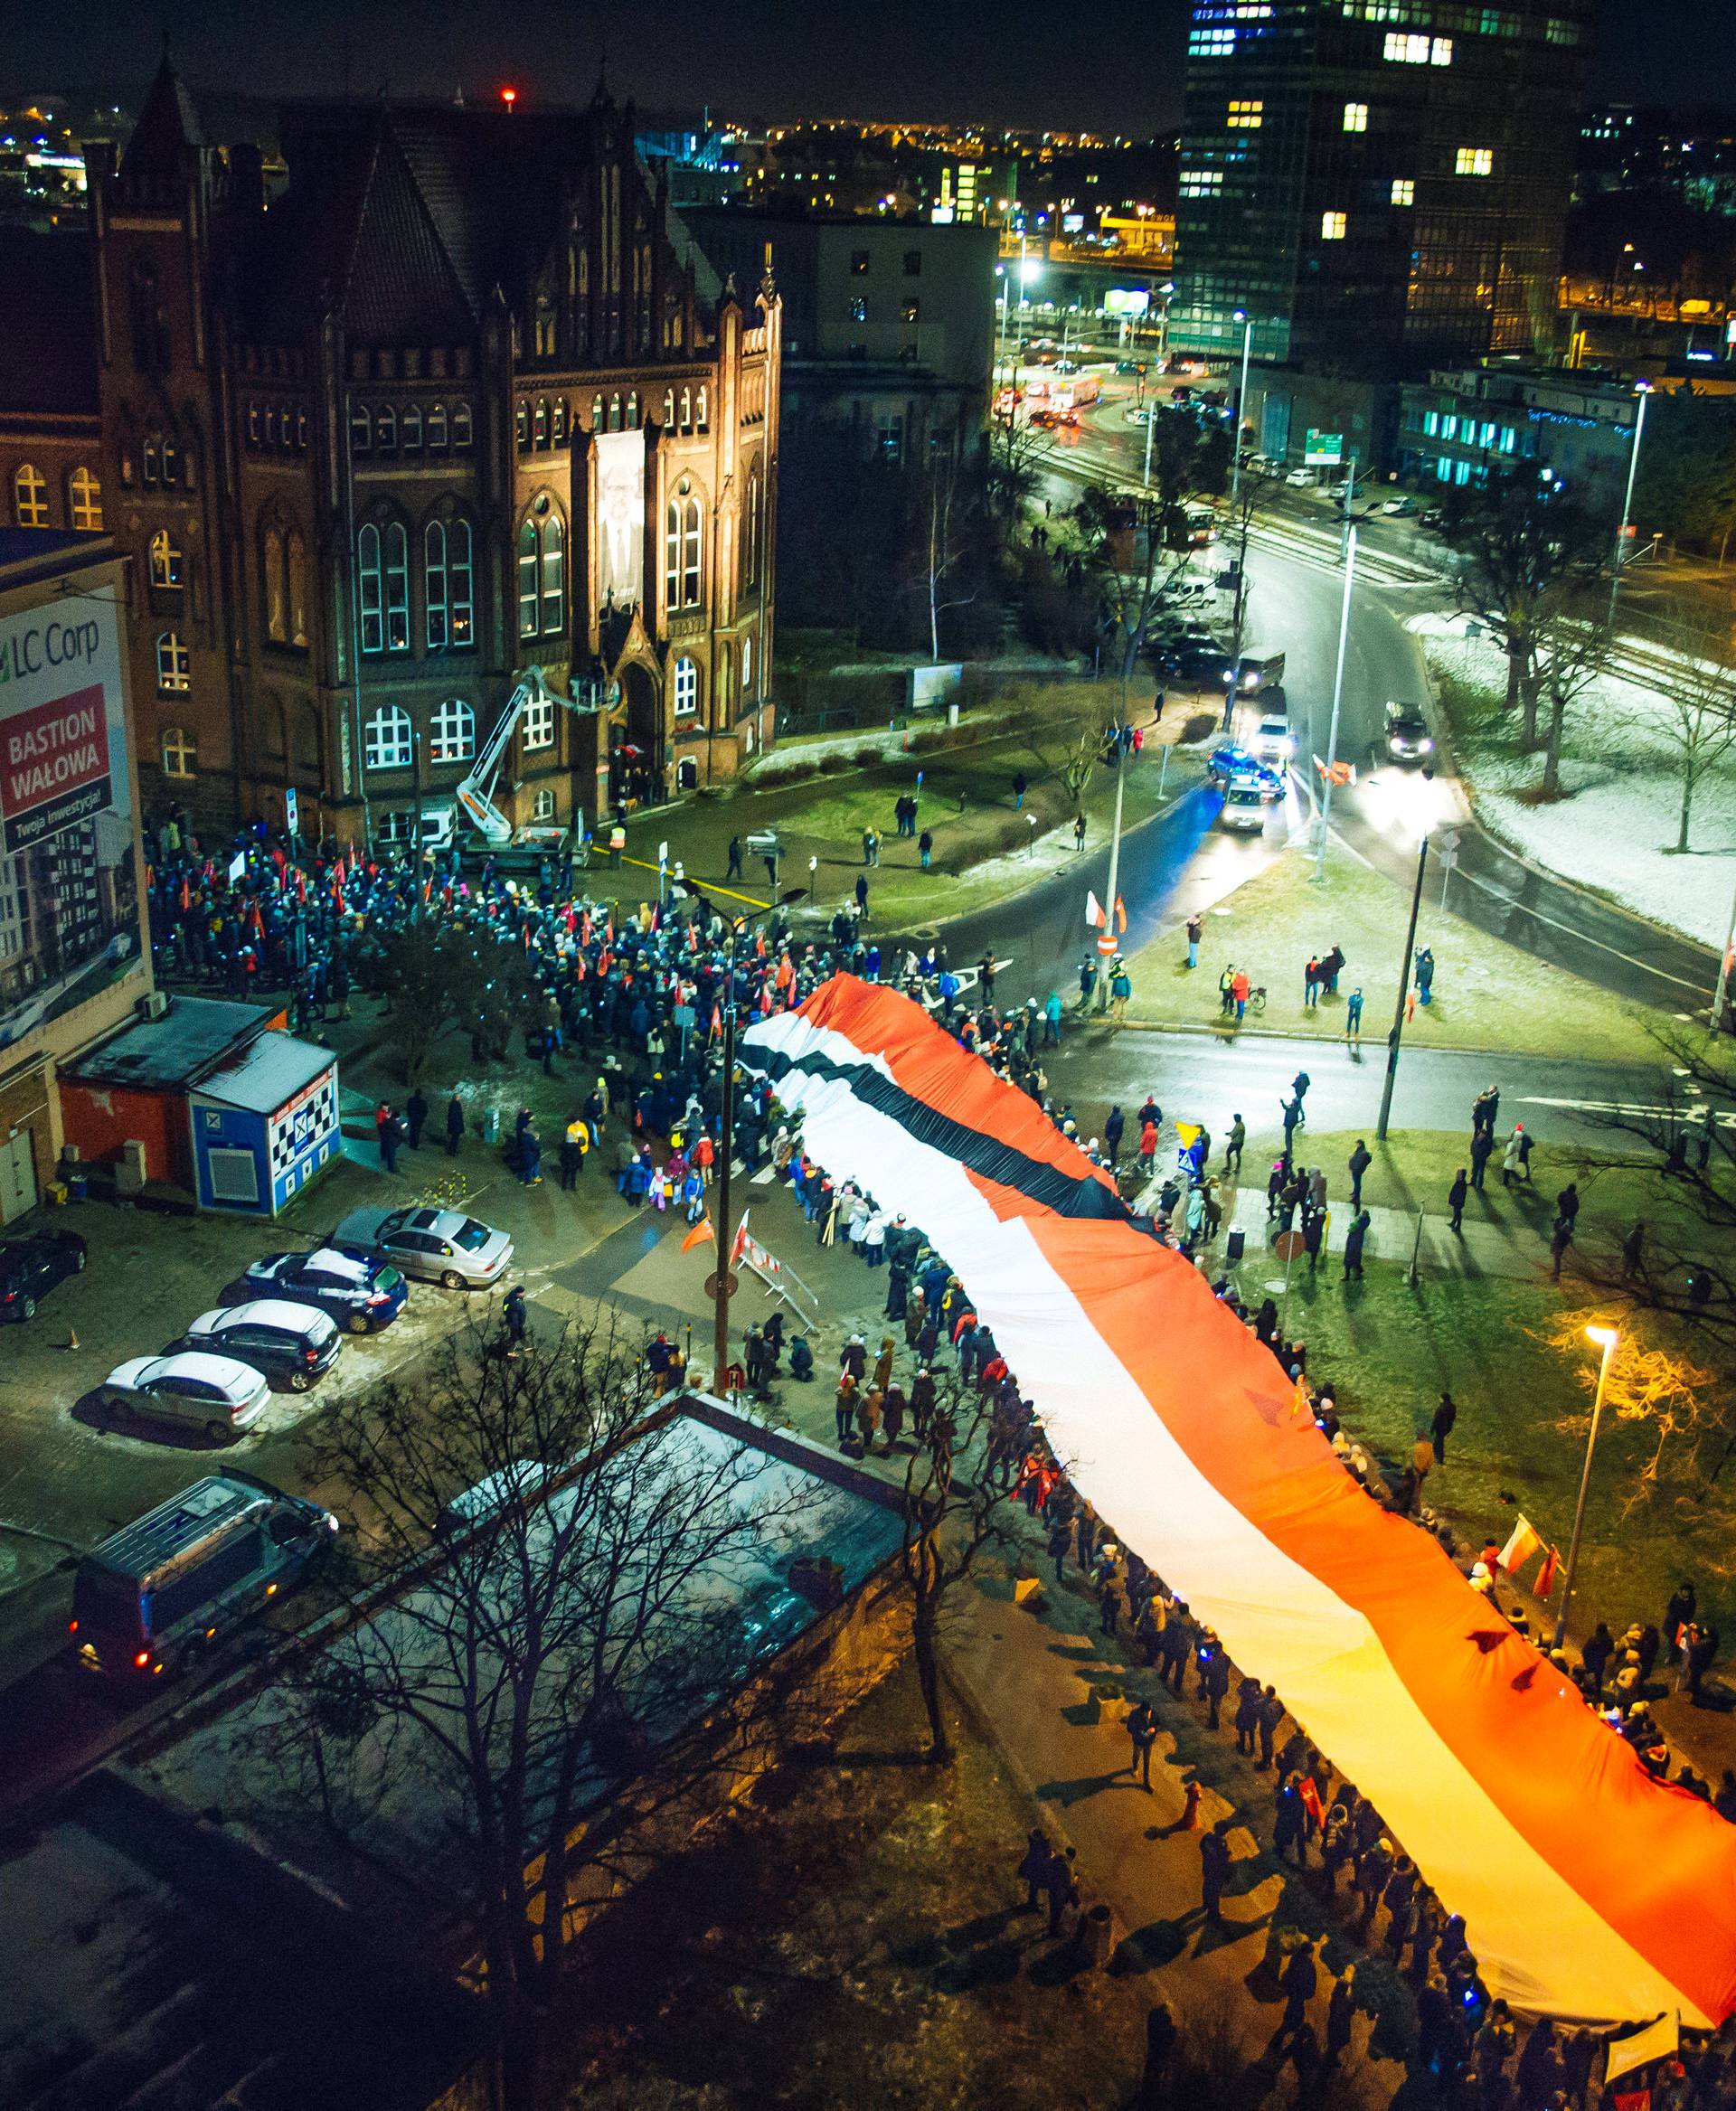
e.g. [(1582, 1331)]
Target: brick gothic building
[(463, 399)]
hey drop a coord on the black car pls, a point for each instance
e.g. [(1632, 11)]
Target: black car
[(30, 1269)]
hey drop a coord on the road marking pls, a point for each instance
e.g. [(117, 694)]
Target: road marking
[(1726, 1120)]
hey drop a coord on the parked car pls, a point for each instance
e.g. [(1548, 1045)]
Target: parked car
[(1401, 508), (1138, 414), (29, 1267), (1300, 479), (171, 1583), (190, 1388), (296, 1344), (444, 1246), (1408, 737), (1066, 366), (1243, 809), (1434, 516), (358, 1291), (1129, 366), (1232, 763)]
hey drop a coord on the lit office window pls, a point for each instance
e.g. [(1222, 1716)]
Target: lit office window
[(1404, 191), (1246, 116), (1474, 161), (1334, 227), (1355, 116)]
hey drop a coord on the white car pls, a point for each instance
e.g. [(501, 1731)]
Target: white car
[(443, 1246), (1300, 479), (1243, 808), (193, 1390), (1273, 741)]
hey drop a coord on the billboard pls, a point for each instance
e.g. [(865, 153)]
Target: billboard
[(68, 894), (1323, 448), (620, 518)]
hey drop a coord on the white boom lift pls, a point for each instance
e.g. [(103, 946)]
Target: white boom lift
[(476, 793)]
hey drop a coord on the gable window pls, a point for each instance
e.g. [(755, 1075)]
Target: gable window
[(668, 409), (84, 500), (540, 423), (360, 430), (382, 574), (560, 426), (614, 413), (180, 752), (174, 664), (385, 429), (554, 574), (536, 728), (541, 571), (522, 425), (527, 576), (686, 409), (412, 426), (597, 414), (388, 739), (166, 561), (437, 426), (29, 497), (687, 687), (633, 412), (701, 416), (746, 668), (461, 425), (452, 732)]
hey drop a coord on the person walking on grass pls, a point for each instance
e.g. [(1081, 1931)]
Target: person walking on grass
[(1360, 1159), (1233, 1143), (1354, 1240), (1441, 1427)]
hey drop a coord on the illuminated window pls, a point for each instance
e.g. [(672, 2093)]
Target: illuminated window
[(385, 433), (681, 554), (180, 752), (686, 688), (1246, 116), (1474, 161), (1431, 423), (30, 496), (1404, 49), (166, 561), (360, 430), (383, 581), (437, 425), (1201, 183), (1355, 116), (1441, 52), (536, 728), (746, 667), (1332, 227), (448, 596), (412, 426), (1210, 43), (452, 732), (554, 573), (84, 500), (397, 588), (387, 739), (174, 664), (1404, 191), (277, 621)]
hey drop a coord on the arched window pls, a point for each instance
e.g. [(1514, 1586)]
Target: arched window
[(686, 409), (633, 412), (412, 426), (166, 561), (751, 533), (668, 409), (615, 412), (253, 424), (597, 414), (180, 752), (387, 739), (528, 552), (295, 566), (461, 425), (681, 553), (174, 664), (554, 574), (521, 423), (29, 497), (687, 687), (540, 423), (277, 625), (702, 417), (385, 429), (397, 588), (561, 422), (171, 461), (360, 430), (437, 426), (153, 471), (452, 732), (447, 590), (370, 588), (84, 500), (270, 425), (747, 669), (301, 429)]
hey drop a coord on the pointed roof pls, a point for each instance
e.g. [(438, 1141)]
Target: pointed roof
[(167, 126), (400, 281)]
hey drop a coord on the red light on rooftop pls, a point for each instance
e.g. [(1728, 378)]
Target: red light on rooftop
[(509, 96)]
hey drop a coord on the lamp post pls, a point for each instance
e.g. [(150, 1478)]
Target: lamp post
[(1726, 960), (1246, 322), (1393, 1038), (1607, 1339), (1337, 697), (1642, 390)]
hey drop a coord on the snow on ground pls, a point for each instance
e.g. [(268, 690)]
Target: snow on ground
[(1623, 775)]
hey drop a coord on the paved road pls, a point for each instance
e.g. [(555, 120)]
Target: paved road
[(1198, 1076)]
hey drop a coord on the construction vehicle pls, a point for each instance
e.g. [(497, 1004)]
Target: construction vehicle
[(476, 792)]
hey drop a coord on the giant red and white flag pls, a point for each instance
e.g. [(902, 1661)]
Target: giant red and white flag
[(1588, 1890)]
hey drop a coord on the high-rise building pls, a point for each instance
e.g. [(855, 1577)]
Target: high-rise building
[(1379, 184)]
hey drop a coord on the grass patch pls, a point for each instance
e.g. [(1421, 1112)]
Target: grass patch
[(1487, 993), (1392, 1351), (854, 1921)]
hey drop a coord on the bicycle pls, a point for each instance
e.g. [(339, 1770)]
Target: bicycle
[(1257, 999)]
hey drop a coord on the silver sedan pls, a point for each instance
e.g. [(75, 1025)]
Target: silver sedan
[(441, 1246)]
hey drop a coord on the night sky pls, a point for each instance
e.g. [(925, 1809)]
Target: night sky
[(1049, 64)]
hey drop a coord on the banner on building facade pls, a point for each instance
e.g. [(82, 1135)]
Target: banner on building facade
[(68, 896), (1588, 1890), (620, 518)]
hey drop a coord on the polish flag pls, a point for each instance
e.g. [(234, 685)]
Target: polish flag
[(1522, 1544), (1094, 908)]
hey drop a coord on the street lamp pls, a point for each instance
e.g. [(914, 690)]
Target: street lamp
[(1642, 390), (1246, 322), (1397, 1034), (1606, 1338)]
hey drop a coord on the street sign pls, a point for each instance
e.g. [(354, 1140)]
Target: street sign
[(1288, 1244), (1104, 944), (1447, 847), (291, 810), (1321, 449)]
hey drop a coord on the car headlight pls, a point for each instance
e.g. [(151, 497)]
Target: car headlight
[(1427, 747)]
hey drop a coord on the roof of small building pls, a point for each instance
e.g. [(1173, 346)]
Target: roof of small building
[(193, 1035), (265, 1072)]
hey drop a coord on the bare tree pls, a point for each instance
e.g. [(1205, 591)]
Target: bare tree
[(1698, 718), (567, 1669), (947, 533), (947, 1523), (1017, 452), (1571, 650)]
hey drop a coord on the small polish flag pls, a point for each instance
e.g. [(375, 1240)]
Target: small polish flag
[(1522, 1545), (1094, 908)]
